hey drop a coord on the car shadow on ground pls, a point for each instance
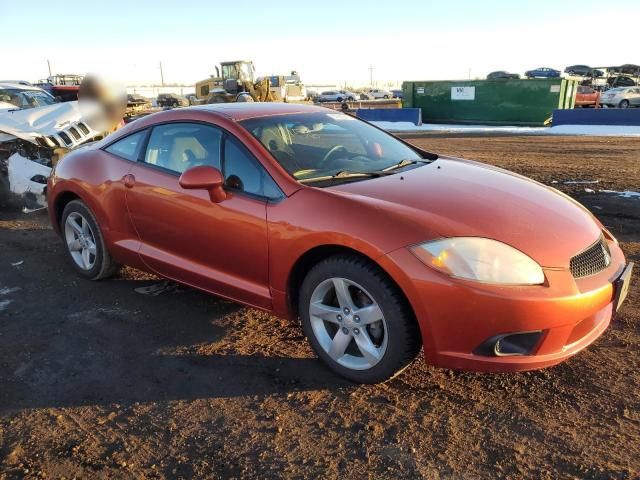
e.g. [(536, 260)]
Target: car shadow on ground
[(65, 341), (106, 355)]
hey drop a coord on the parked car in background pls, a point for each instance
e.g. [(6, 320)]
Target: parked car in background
[(376, 93), (621, 81), (622, 97), (397, 94), (171, 100), (583, 71), (542, 72), (587, 97), (331, 96), (137, 100), (348, 95), (19, 82), (628, 69), (378, 247), (500, 74), (136, 104), (193, 99), (17, 96), (312, 95)]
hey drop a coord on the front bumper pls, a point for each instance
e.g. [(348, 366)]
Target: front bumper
[(457, 316)]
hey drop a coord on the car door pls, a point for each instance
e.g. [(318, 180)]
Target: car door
[(634, 98), (219, 247)]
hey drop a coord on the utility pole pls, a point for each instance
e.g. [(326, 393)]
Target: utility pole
[(49, 65), (161, 75), (371, 75)]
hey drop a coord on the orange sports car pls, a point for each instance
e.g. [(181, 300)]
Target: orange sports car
[(379, 248)]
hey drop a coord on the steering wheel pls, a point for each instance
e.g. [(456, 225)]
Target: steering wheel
[(332, 151)]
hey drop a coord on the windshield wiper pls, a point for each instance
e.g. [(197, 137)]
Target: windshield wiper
[(404, 163), (371, 174), (346, 174)]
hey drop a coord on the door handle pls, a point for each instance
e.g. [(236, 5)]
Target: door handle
[(129, 180)]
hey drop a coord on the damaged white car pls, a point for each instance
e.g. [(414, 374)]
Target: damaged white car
[(34, 132)]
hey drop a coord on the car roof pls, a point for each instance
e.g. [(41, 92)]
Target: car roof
[(19, 86), (246, 110)]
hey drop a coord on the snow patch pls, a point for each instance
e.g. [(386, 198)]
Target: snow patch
[(623, 194), (591, 130)]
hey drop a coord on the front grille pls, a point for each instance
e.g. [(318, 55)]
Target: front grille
[(65, 138), (593, 260), (83, 128), (75, 133), (54, 140)]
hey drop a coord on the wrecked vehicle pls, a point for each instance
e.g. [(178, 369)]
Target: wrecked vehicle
[(35, 132)]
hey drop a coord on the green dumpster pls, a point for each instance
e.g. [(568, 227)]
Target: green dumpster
[(490, 102)]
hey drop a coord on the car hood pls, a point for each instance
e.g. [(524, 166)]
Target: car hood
[(452, 197)]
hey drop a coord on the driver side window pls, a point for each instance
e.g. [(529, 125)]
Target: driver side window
[(180, 146)]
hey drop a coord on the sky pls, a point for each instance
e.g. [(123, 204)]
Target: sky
[(328, 42)]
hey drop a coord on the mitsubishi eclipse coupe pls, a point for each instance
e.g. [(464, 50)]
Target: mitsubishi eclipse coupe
[(379, 248)]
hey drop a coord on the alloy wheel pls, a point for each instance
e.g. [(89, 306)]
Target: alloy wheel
[(348, 323), (81, 241)]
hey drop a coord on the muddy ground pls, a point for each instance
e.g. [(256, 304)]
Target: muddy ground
[(98, 381)]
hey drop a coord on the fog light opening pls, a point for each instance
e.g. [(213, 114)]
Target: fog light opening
[(510, 344)]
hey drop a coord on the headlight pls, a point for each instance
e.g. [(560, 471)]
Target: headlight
[(480, 259)]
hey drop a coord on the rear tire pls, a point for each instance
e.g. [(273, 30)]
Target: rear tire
[(375, 338), (624, 104), (84, 242)]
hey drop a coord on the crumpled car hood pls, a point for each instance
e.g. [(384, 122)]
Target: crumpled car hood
[(30, 123)]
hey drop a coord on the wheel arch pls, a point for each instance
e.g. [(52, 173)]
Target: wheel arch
[(59, 204), (317, 254), (63, 194)]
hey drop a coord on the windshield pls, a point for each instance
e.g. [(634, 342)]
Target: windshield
[(25, 98), (319, 145)]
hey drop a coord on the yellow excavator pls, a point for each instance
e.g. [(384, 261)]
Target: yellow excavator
[(234, 82)]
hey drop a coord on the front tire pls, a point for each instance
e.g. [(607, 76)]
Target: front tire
[(357, 321), (624, 104), (84, 242)]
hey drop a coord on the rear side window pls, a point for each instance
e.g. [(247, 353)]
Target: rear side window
[(243, 172), (128, 147), (181, 146)]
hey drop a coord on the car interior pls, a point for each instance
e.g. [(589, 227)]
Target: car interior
[(327, 143)]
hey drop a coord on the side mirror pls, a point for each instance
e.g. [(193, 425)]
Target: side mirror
[(205, 178)]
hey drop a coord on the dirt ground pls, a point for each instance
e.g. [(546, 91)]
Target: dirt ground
[(99, 381)]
